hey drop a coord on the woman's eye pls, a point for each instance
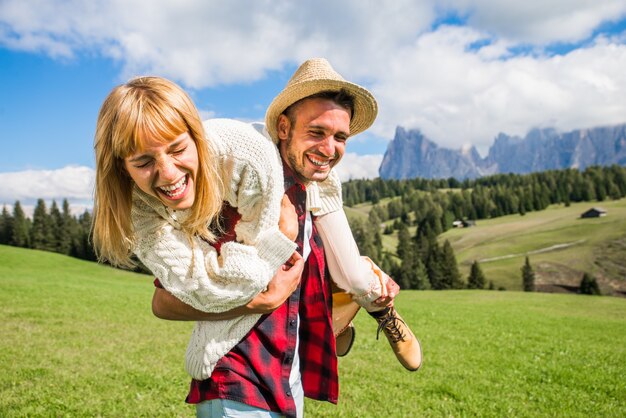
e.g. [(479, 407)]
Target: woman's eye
[(180, 151), (144, 165)]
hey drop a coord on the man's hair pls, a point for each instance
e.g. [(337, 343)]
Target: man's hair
[(341, 98)]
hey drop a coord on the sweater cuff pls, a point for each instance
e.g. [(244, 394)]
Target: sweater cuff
[(275, 248), (329, 204)]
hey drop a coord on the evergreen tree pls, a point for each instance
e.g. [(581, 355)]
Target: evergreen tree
[(432, 259), (367, 239), (57, 229), (81, 244), (41, 230), (419, 278), (528, 277), (6, 226), (476, 279), (20, 235), (67, 229), (407, 268), (589, 285), (404, 241), (449, 268)]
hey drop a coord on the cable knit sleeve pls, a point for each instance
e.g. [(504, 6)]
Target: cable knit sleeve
[(191, 269), (325, 197), (253, 177)]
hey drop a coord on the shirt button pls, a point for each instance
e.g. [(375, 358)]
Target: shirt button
[(288, 393), (292, 323)]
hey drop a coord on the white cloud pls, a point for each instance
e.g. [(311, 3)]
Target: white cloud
[(539, 22), (457, 96), (353, 166), (74, 183), (436, 80)]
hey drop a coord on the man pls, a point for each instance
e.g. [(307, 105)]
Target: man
[(291, 351)]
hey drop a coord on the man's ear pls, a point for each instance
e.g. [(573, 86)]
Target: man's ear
[(283, 125)]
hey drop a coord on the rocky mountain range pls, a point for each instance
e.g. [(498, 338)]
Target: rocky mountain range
[(410, 154)]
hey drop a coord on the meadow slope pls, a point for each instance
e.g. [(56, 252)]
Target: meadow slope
[(560, 244), (561, 247), (78, 339)]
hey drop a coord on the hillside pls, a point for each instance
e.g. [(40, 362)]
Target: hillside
[(78, 339), (561, 246)]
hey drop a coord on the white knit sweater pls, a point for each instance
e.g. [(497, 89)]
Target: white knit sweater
[(191, 269)]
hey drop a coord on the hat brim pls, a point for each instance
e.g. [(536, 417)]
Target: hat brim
[(365, 106)]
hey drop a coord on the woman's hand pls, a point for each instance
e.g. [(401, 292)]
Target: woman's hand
[(391, 291), (288, 221), (282, 285)]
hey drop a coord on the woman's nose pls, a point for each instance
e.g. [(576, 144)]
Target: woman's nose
[(167, 169)]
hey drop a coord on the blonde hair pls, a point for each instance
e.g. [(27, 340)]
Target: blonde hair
[(146, 107)]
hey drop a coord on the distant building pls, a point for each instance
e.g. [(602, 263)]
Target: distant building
[(463, 223), (593, 213)]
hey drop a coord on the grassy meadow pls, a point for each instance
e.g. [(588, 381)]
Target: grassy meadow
[(79, 340)]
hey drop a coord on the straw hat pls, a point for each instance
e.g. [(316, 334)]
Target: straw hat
[(315, 76)]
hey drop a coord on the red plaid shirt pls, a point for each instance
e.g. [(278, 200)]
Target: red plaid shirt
[(256, 371)]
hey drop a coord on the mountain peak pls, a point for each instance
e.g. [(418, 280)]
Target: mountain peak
[(411, 154)]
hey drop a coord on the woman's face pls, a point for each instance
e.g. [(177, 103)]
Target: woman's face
[(166, 171)]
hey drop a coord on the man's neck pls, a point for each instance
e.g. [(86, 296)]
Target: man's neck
[(289, 172)]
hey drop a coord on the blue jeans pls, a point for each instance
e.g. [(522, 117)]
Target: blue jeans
[(225, 408)]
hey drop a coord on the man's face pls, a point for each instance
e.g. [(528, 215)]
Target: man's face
[(316, 141)]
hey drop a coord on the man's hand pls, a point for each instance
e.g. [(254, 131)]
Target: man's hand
[(282, 285), (288, 221)]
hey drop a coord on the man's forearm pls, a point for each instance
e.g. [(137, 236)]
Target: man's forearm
[(167, 306)]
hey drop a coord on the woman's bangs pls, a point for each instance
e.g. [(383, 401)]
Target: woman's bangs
[(161, 124)]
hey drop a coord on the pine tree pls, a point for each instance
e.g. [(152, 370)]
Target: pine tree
[(589, 285), (476, 279), (528, 277), (41, 230), (6, 226), (67, 228), (20, 236), (404, 241), (81, 244), (449, 268), (419, 278), (433, 267)]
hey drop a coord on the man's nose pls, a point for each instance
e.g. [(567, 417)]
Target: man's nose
[(327, 147)]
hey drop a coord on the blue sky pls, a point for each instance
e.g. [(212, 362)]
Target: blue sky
[(461, 71)]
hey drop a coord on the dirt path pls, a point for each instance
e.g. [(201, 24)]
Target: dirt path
[(555, 247)]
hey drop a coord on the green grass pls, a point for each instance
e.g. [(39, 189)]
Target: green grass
[(79, 339)]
